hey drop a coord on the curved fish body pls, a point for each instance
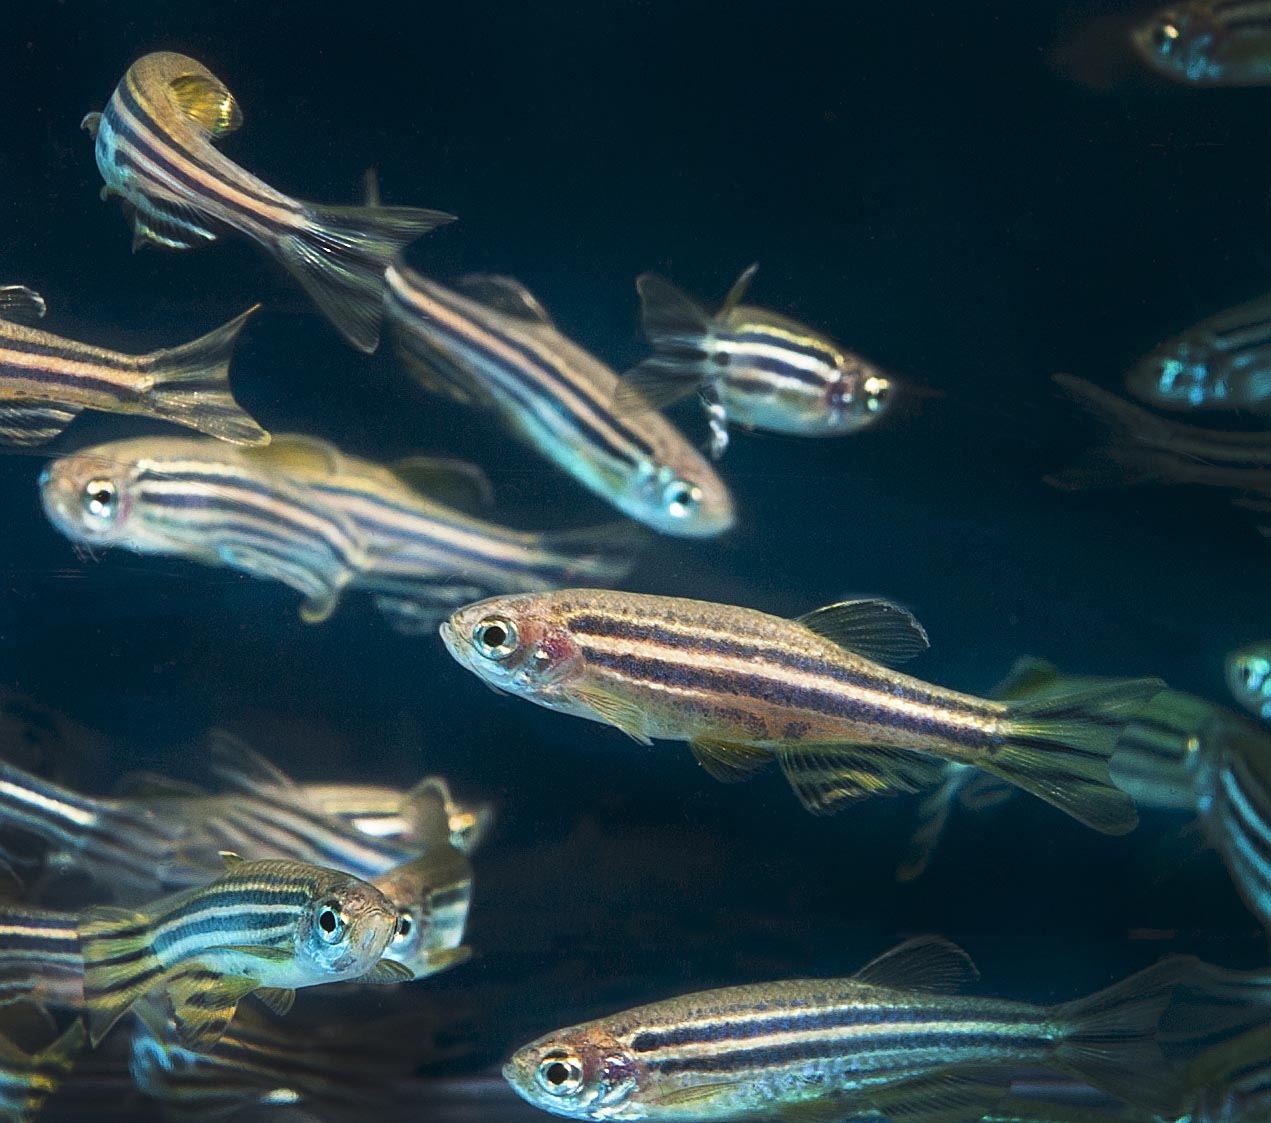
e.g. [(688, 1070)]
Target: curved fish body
[(752, 367), (1222, 363), (745, 688), (266, 926), (1209, 42), (891, 1040), (154, 144), (1249, 678), (46, 381), (491, 344)]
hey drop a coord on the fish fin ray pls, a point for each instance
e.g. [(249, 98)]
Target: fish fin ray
[(872, 627), (737, 293), (120, 965), (655, 384), (237, 764), (669, 315), (929, 963), (696, 1093), (21, 305), (616, 711), (203, 1002), (91, 122), (942, 1097), (205, 101), (930, 822), (278, 999), (729, 761), (825, 777), (25, 424), (504, 295), (388, 971)]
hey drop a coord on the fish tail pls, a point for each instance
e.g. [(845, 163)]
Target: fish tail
[(340, 257), (596, 555), (1059, 747), (679, 331), (120, 965), (1110, 1037), (191, 386)]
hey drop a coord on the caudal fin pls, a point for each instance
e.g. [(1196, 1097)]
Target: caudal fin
[(1058, 748), (340, 258), (678, 329), (1111, 1038), (120, 965), (191, 386)]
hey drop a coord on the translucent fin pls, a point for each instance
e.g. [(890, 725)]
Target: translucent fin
[(34, 423), (504, 295), (874, 628), (1026, 677), (229, 859), (455, 483), (929, 963), (389, 971), (1112, 1039), (304, 456), (668, 313), (119, 965), (21, 305), (207, 103), (191, 386), (826, 777), (614, 710), (340, 258), (737, 293), (596, 555), (1119, 415), (321, 591), (236, 764), (91, 122), (694, 1094), (1058, 748), (277, 999), (943, 1097), (656, 384), (931, 820), (679, 331), (727, 761)]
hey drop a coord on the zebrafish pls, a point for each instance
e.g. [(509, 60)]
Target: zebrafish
[(1154, 761), (752, 367), (1209, 42), (894, 1038), (40, 956), (303, 514), (1223, 362), (1249, 678), (28, 1079), (155, 149), (743, 688), (265, 927), (46, 381), (489, 342), (432, 895)]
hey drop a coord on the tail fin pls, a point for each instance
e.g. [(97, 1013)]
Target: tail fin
[(1111, 1038), (679, 330), (595, 555), (120, 965), (1058, 748), (191, 386), (340, 258)]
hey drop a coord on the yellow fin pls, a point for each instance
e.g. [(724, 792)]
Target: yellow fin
[(929, 963), (827, 776), (303, 456), (453, 482), (616, 711), (870, 626), (207, 103), (119, 964), (277, 999), (203, 1004), (728, 761)]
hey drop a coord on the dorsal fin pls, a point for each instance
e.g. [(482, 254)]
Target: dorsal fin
[(453, 482), (207, 103), (291, 452), (1027, 676), (21, 305), (870, 626), (738, 292), (923, 963), (242, 767), (503, 294), (230, 859)]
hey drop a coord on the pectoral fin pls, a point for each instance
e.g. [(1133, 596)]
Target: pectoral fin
[(728, 761), (388, 971), (616, 711), (277, 999)]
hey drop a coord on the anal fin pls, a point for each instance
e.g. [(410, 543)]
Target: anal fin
[(34, 423), (942, 1097), (729, 761), (827, 776)]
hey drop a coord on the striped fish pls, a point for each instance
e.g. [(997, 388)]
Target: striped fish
[(432, 895), (264, 927), (28, 1079), (490, 343), (1142, 447), (46, 381), (1154, 761), (1233, 1080), (40, 956), (743, 688), (155, 150), (1209, 42), (1221, 363), (1249, 678), (894, 1038), (751, 367)]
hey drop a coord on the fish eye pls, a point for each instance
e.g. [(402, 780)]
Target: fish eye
[(560, 1074), (877, 391), (1165, 35), (681, 498), (331, 922), (99, 499), (405, 926), (495, 637)]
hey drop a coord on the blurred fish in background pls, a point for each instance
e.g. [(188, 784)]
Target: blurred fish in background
[(1208, 42)]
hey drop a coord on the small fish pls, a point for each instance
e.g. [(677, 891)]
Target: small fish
[(28, 1079), (155, 149), (1249, 678), (1221, 363), (752, 367), (744, 688), (489, 342), (894, 1039), (1209, 42), (265, 927), (432, 895), (47, 381)]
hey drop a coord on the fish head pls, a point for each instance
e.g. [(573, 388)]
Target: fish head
[(1179, 42), (90, 498), (431, 895), (1177, 376), (516, 644), (580, 1073), (346, 928), (684, 496), (856, 397), (1249, 678)]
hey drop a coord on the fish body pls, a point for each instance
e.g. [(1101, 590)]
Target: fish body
[(40, 956), (891, 1039), (1209, 42), (744, 688), (155, 149), (28, 1079), (1249, 678), (272, 925), (492, 344), (46, 381), (753, 368), (432, 894), (1223, 363)]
